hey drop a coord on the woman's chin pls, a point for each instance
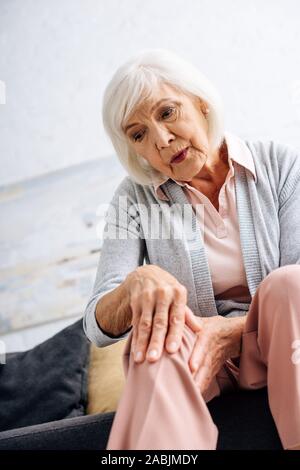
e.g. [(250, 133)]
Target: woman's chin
[(189, 172)]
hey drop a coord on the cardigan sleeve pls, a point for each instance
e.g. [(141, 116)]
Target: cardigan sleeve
[(122, 251), (289, 209)]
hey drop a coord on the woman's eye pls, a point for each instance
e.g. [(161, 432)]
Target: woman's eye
[(168, 112), (137, 136)]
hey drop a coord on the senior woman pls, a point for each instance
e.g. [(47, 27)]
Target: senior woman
[(215, 305)]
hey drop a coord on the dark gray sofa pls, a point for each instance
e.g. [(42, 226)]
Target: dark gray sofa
[(56, 390), (243, 419)]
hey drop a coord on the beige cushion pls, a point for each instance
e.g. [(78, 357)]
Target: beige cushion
[(105, 377)]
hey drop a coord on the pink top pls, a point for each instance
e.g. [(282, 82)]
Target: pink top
[(221, 228)]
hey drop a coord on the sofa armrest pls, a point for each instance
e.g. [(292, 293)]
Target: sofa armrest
[(243, 418), (88, 432)]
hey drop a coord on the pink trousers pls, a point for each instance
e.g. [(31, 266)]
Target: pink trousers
[(161, 407)]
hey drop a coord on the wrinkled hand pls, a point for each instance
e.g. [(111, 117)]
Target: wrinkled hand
[(159, 312), (218, 340)]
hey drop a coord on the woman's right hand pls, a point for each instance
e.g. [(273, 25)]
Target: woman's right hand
[(159, 312)]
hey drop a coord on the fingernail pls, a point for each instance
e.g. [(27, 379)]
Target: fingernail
[(152, 353), (172, 346), (138, 356)]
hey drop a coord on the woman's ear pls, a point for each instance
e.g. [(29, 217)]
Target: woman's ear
[(202, 106)]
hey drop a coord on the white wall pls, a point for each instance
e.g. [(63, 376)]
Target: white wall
[(56, 57)]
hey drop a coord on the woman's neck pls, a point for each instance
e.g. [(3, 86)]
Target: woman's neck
[(214, 172)]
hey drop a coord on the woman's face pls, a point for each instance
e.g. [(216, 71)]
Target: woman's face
[(157, 130)]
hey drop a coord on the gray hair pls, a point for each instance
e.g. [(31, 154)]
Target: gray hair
[(134, 82)]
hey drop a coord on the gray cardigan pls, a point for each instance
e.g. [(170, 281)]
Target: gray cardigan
[(269, 220)]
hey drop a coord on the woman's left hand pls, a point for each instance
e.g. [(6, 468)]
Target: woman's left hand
[(219, 339)]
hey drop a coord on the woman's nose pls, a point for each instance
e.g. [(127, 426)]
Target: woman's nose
[(163, 137)]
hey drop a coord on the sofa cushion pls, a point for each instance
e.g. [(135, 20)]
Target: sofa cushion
[(47, 382), (106, 377)]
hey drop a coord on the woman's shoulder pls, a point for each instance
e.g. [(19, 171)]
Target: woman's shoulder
[(135, 192), (274, 150), (277, 159), (277, 163)]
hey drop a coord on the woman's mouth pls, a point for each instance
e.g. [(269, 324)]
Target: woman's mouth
[(180, 157)]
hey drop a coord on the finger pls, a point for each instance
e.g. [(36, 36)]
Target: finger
[(133, 339), (197, 358), (192, 320), (176, 319), (145, 323), (136, 313), (204, 378), (160, 323), (135, 323)]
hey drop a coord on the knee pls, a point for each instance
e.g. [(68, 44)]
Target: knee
[(281, 285), (283, 279), (183, 353), (180, 357)]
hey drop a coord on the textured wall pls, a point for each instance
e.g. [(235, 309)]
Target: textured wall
[(57, 55), (50, 241)]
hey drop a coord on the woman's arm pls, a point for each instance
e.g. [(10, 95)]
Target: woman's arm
[(113, 312), (123, 250), (153, 302), (220, 338), (236, 328), (289, 217)]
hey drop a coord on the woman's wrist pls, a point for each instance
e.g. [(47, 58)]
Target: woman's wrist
[(237, 325)]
